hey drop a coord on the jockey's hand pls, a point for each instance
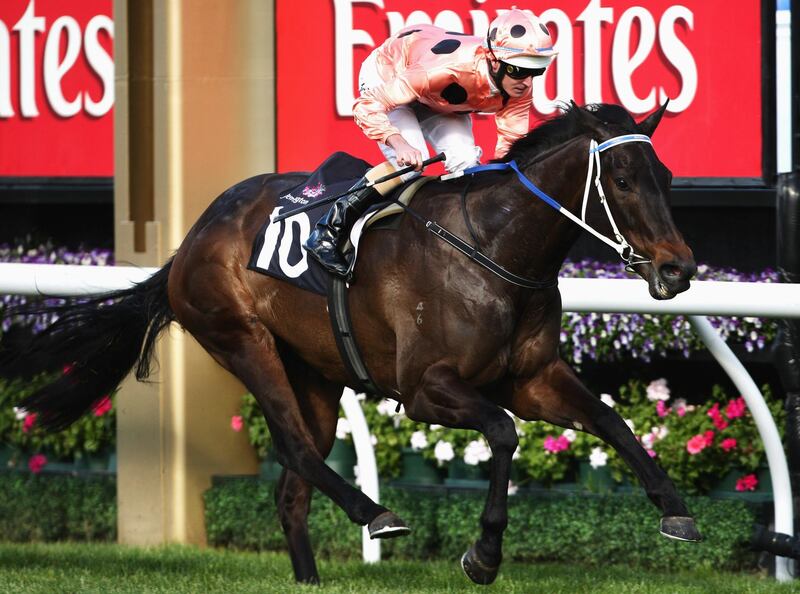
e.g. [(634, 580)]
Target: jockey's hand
[(406, 155)]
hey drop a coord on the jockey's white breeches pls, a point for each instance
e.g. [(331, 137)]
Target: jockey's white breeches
[(446, 132)]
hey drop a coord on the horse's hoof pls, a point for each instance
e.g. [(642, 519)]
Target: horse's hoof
[(387, 525), (476, 570), (680, 528)]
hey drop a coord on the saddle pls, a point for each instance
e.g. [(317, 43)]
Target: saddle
[(277, 248)]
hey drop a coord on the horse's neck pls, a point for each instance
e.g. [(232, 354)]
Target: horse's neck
[(533, 239)]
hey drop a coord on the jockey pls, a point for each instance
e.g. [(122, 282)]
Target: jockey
[(422, 84)]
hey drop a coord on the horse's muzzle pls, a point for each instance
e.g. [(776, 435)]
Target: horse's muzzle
[(667, 279)]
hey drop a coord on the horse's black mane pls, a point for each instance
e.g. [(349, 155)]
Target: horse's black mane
[(566, 126)]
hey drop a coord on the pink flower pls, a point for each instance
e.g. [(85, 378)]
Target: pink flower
[(747, 483), (29, 422), (237, 423), (735, 408), (680, 411), (696, 444), (728, 444), (709, 437), (662, 409), (556, 444), (67, 369), (102, 407), (651, 453), (36, 463), (716, 417)]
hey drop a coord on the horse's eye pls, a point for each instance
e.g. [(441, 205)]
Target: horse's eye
[(622, 184)]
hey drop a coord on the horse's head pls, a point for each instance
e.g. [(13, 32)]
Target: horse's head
[(637, 186)]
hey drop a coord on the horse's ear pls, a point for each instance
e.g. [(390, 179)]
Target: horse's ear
[(588, 119), (648, 125)]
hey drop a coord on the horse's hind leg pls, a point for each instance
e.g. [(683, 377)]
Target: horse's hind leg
[(444, 398), (319, 402), (251, 354), (293, 499), (556, 395)]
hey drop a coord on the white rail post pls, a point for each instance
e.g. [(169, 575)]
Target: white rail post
[(776, 457), (367, 467)]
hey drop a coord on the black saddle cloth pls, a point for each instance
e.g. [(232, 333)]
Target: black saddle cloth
[(277, 249)]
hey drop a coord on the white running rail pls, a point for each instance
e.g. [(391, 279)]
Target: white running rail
[(578, 294)]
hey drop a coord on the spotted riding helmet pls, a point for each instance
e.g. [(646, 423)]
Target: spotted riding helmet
[(521, 42)]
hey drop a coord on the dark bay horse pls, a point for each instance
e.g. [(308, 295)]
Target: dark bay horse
[(457, 345)]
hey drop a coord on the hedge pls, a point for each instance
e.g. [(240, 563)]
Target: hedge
[(54, 507), (567, 527), (240, 514)]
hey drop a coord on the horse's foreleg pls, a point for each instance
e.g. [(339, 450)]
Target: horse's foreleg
[(556, 395), (444, 398)]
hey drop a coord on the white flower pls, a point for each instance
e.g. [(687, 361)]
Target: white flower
[(444, 451), (373, 439), (660, 432), (512, 488), (570, 435), (418, 440), (607, 400), (435, 427), (386, 407), (630, 425), (342, 428), (658, 390), (647, 440), (598, 458), (20, 413), (476, 451)]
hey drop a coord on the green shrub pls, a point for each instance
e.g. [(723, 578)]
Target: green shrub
[(57, 507), (589, 529)]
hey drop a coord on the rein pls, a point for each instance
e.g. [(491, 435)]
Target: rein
[(621, 245)]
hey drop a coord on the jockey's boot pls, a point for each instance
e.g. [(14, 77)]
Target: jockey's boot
[(331, 232)]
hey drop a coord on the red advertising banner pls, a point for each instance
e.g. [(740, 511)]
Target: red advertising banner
[(56, 88), (705, 55)]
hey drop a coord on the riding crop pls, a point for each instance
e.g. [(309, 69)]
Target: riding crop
[(380, 180)]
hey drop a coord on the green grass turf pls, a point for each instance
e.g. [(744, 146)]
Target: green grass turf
[(107, 569)]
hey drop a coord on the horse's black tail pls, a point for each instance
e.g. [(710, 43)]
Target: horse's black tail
[(90, 349)]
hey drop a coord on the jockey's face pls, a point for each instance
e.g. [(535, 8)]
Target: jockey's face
[(517, 87)]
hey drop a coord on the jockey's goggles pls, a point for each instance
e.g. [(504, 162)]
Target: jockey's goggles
[(518, 73)]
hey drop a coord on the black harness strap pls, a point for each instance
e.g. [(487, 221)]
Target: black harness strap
[(339, 311), (479, 258), (473, 251)]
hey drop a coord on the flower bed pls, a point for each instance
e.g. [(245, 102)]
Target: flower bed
[(43, 254), (697, 445), (616, 337), (86, 444)]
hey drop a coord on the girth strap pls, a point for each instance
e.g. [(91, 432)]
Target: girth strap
[(339, 311)]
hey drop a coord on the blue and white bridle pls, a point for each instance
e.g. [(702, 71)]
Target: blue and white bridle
[(619, 243)]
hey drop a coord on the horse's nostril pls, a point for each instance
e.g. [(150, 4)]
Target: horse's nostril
[(671, 271)]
